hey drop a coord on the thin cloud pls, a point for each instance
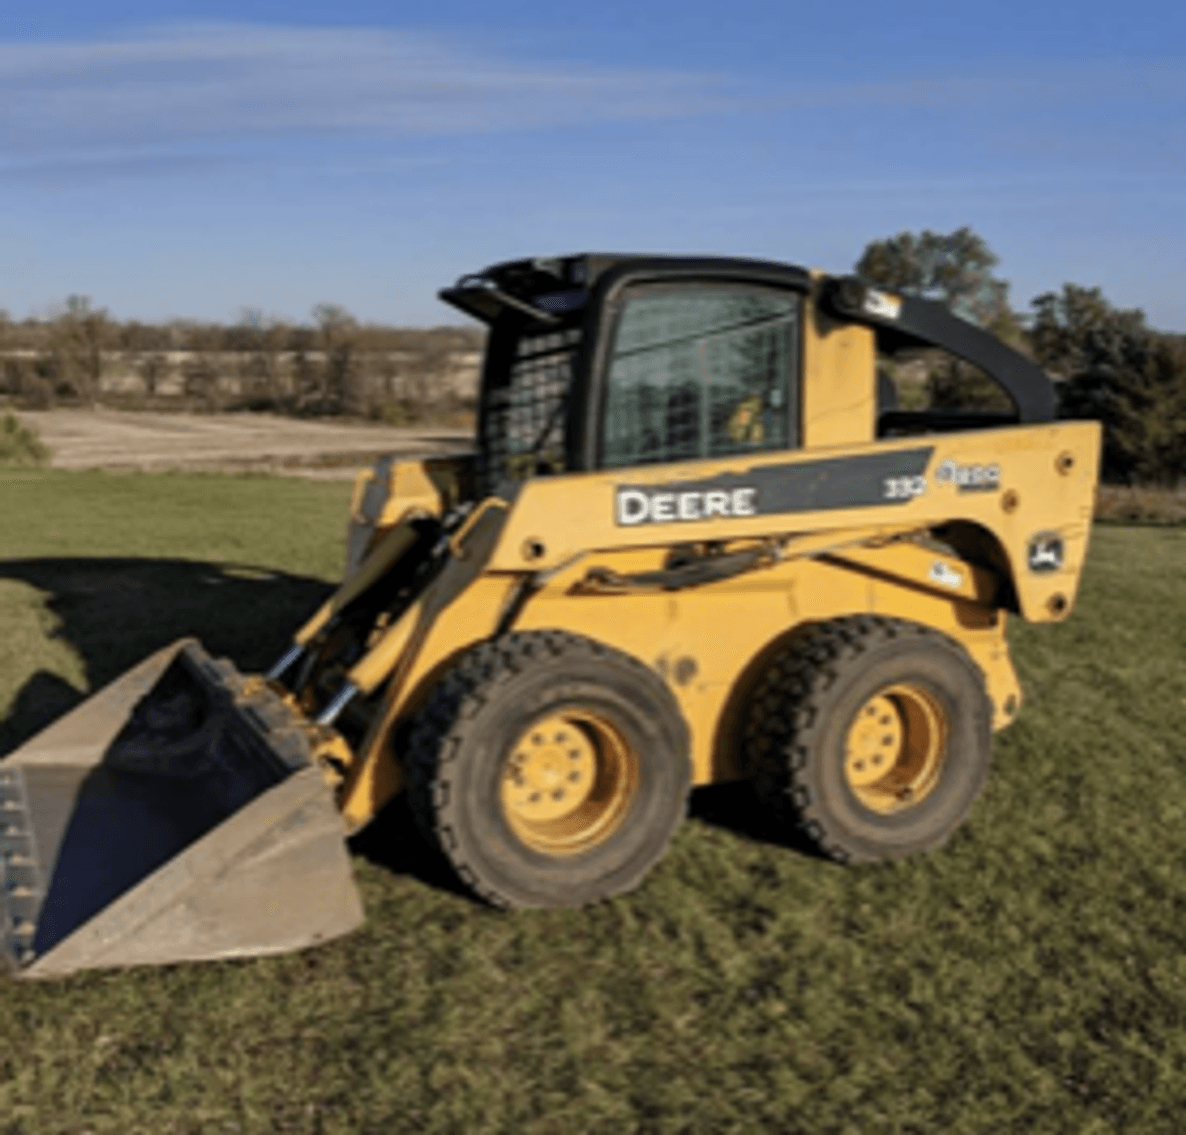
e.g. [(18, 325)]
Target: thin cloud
[(202, 84)]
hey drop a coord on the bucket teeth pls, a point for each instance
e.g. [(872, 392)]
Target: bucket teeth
[(20, 882)]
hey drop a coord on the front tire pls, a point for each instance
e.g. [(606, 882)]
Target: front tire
[(872, 736), (549, 769)]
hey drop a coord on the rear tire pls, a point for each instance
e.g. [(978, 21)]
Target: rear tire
[(550, 770), (872, 736)]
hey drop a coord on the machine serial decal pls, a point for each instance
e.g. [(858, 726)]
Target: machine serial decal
[(1045, 552), (968, 478), (803, 486), (903, 488)]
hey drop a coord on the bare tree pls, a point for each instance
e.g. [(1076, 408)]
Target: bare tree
[(202, 370), (337, 330), (78, 336), (259, 342)]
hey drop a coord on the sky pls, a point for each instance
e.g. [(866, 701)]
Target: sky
[(205, 159)]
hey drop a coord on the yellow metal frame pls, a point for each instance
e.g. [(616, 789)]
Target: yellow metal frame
[(709, 641), (1047, 479)]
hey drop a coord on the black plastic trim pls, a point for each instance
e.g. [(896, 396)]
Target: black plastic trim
[(486, 301), (926, 323)]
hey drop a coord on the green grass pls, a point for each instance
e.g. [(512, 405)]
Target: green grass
[(1030, 977)]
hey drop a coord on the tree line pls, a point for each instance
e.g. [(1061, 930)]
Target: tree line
[(332, 364), (1107, 362)]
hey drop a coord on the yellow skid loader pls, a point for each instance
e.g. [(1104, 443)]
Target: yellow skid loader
[(698, 541)]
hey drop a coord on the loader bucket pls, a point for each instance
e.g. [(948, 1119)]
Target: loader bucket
[(174, 816)]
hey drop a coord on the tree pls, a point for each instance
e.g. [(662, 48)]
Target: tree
[(337, 330), (78, 336), (201, 371), (956, 270), (1118, 370), (259, 342)]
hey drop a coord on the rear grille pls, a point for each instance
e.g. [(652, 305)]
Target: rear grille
[(524, 420)]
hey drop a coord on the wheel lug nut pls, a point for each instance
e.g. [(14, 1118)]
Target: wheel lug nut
[(574, 777)]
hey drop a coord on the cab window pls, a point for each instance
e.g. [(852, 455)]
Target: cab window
[(701, 371)]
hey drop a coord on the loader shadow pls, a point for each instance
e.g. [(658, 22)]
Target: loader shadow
[(392, 842), (735, 807), (113, 612)]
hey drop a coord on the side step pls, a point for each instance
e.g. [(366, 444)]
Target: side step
[(174, 816)]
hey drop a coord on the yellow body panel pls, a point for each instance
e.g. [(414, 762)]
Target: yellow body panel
[(1046, 483), (377, 775), (433, 484), (394, 490), (705, 640), (839, 401), (708, 641)]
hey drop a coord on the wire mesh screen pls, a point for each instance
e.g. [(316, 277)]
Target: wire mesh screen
[(701, 372), (525, 418)]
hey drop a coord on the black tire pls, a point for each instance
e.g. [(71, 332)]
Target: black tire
[(806, 737), (466, 760)]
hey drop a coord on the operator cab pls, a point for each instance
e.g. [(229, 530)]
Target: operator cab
[(605, 361)]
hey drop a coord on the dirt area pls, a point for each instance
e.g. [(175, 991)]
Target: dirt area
[(143, 440)]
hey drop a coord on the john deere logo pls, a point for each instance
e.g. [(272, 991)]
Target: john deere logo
[(637, 506), (1045, 552)]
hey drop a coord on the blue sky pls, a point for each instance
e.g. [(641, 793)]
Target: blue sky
[(196, 159)]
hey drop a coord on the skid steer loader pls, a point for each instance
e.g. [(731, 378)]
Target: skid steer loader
[(698, 541)]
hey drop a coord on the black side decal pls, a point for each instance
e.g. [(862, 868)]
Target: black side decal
[(801, 486)]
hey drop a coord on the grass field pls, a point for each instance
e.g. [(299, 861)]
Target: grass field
[(1030, 977)]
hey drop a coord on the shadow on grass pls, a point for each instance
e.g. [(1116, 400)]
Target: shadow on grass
[(393, 842), (115, 612), (735, 807)]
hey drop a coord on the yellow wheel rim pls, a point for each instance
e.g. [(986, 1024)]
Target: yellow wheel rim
[(568, 783), (894, 749)]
